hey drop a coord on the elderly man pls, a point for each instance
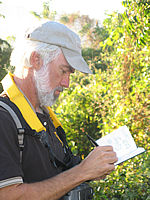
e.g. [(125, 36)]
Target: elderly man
[(42, 168)]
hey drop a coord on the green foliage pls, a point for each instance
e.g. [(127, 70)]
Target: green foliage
[(5, 51), (115, 95), (128, 182), (46, 13), (1, 15)]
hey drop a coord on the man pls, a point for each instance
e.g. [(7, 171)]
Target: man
[(44, 61)]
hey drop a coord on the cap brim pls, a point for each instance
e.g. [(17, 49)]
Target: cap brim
[(76, 61)]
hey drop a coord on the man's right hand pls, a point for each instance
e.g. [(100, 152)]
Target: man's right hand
[(99, 163)]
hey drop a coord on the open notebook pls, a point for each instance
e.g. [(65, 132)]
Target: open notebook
[(123, 144)]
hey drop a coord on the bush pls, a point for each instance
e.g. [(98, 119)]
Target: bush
[(115, 96)]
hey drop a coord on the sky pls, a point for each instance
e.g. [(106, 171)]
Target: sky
[(18, 17)]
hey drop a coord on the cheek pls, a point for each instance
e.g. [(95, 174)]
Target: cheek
[(54, 79)]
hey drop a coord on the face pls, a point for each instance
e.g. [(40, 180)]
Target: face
[(51, 81)]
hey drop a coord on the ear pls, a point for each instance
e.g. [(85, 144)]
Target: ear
[(36, 60)]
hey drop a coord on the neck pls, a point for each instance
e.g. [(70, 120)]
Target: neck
[(25, 81)]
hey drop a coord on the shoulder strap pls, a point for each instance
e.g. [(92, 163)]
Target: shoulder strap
[(12, 113), (21, 124)]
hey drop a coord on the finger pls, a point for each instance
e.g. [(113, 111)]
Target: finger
[(110, 157), (110, 169), (112, 160), (106, 148)]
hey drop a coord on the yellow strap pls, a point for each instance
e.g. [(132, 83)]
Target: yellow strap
[(18, 98), (29, 115), (55, 120)]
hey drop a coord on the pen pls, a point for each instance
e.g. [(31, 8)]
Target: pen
[(92, 140)]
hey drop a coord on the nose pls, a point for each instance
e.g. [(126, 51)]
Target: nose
[(65, 81)]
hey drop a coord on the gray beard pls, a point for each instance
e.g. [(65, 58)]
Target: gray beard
[(46, 96), (48, 99)]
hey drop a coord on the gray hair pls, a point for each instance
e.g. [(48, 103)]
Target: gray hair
[(20, 56)]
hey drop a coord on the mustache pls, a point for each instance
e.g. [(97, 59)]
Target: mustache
[(59, 88)]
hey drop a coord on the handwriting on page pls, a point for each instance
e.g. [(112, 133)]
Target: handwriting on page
[(120, 139)]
